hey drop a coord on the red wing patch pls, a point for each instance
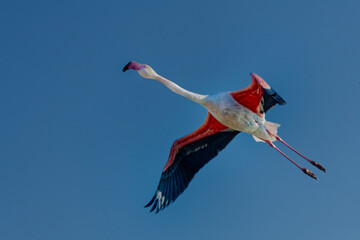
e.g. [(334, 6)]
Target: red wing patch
[(250, 97), (209, 127), (260, 81)]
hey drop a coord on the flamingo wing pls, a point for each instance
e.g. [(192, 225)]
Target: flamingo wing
[(259, 97), (187, 156)]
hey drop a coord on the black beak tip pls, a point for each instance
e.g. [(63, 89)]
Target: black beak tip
[(126, 67)]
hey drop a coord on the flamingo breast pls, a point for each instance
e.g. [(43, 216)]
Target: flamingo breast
[(232, 114)]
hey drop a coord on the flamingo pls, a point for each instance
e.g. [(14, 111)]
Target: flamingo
[(229, 113)]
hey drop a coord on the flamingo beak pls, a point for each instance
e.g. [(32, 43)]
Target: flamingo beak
[(133, 65)]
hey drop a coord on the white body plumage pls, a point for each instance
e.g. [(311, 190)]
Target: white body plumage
[(235, 116)]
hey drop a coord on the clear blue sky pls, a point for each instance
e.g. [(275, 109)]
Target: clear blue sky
[(82, 144)]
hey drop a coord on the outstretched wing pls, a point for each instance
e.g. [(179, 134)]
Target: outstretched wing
[(187, 156), (259, 97)]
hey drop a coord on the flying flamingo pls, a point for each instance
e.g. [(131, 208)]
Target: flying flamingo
[(229, 113)]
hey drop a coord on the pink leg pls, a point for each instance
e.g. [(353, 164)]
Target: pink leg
[(306, 171), (316, 164)]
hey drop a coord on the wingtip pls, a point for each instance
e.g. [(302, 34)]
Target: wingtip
[(150, 202), (281, 101), (154, 206)]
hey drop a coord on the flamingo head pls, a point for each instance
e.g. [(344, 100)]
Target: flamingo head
[(144, 70)]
